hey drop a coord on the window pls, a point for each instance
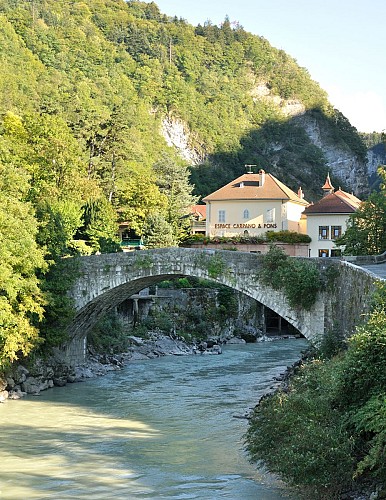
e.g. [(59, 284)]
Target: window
[(323, 252), (221, 215), (246, 214), (336, 232), (271, 215), (324, 233), (336, 252)]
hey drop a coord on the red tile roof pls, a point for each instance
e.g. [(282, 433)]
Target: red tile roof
[(339, 202), (251, 187), (198, 211)]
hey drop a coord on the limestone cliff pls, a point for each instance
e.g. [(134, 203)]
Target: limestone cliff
[(343, 163)]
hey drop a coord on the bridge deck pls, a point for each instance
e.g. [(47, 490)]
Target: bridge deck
[(377, 269)]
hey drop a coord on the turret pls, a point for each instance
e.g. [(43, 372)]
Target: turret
[(328, 187)]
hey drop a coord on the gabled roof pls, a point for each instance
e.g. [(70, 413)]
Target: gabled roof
[(255, 187), (339, 202), (198, 211)]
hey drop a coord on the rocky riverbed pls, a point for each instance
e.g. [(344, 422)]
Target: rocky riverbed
[(41, 374)]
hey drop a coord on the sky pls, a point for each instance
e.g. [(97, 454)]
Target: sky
[(342, 43)]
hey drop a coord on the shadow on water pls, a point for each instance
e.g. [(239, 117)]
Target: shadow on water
[(157, 429)]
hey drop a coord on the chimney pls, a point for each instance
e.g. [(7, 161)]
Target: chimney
[(262, 177), (300, 193)]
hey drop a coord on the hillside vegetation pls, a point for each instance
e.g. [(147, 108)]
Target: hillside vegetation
[(112, 71), (87, 90)]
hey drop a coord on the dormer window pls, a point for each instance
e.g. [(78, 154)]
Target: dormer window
[(246, 214)]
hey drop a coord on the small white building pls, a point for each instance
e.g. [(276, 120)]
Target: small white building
[(327, 220), (253, 204)]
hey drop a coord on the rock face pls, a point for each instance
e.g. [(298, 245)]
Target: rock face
[(376, 156), (177, 134), (344, 164)]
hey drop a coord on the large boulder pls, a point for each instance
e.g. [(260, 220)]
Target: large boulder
[(34, 385)]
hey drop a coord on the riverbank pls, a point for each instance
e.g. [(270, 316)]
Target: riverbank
[(287, 402), (42, 374)]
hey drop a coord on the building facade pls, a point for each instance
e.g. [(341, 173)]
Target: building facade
[(327, 220), (253, 204)]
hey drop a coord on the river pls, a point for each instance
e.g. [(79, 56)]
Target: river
[(157, 429)]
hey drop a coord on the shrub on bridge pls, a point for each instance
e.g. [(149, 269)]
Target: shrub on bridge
[(300, 280)]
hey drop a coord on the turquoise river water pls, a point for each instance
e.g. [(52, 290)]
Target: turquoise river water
[(159, 429)]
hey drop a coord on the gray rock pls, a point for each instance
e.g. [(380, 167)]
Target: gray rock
[(20, 374), (236, 340), (16, 393), (34, 385), (10, 383)]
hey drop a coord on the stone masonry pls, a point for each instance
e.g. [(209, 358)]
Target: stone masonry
[(107, 280)]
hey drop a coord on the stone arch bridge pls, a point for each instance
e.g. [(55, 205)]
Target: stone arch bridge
[(107, 280)]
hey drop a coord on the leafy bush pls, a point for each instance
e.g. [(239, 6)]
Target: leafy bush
[(268, 237), (287, 237), (300, 436), (327, 432), (300, 280), (109, 335)]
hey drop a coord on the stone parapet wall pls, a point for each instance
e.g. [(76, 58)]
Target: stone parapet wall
[(291, 249), (365, 259)]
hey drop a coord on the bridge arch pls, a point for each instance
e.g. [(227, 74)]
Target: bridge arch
[(107, 280)]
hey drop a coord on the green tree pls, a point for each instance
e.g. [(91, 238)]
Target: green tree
[(366, 228), (58, 222), (157, 232), (21, 300), (140, 197), (100, 226), (173, 181)]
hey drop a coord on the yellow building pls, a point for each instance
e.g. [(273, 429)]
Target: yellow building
[(327, 220), (253, 204)]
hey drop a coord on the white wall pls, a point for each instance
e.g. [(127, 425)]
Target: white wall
[(313, 223)]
